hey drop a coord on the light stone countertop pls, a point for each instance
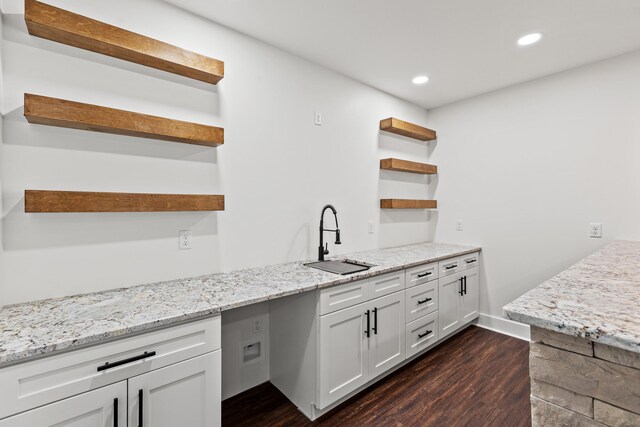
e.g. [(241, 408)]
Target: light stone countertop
[(40, 328), (598, 299)]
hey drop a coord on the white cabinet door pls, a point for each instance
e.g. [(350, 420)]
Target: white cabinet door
[(421, 300), (386, 284), (449, 309), (387, 340), (96, 408), (471, 297), (344, 353), (184, 394)]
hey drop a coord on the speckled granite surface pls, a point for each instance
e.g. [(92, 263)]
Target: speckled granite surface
[(43, 327), (598, 299)]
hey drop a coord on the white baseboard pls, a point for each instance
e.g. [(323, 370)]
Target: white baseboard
[(505, 326)]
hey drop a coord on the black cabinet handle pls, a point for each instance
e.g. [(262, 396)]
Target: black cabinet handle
[(140, 410), (461, 291), (424, 335), (465, 285), (125, 361), (375, 321), (471, 261), (368, 331), (424, 300), (428, 273), (449, 267), (115, 412)]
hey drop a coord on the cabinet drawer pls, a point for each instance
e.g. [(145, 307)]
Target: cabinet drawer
[(53, 378), (422, 333), (421, 274), (449, 266), (386, 284), (421, 300), (343, 296), (469, 261)]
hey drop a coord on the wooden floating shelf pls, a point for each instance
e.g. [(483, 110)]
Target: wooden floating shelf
[(400, 127), (408, 204), (408, 166), (44, 201), (69, 28), (76, 115)]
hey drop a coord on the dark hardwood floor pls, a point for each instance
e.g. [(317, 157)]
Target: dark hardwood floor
[(476, 378)]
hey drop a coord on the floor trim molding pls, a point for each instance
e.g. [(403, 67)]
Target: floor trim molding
[(504, 326)]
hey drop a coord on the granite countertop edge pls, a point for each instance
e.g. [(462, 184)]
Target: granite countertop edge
[(41, 347), (593, 299)]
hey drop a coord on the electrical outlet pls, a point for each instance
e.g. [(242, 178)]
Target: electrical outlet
[(184, 239), (317, 119), (257, 326), (370, 227), (595, 229), (459, 225)]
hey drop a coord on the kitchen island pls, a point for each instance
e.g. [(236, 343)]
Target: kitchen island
[(585, 333)]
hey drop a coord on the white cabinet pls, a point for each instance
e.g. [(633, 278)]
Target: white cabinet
[(422, 300), (344, 352), (386, 341), (422, 333), (186, 393), (358, 344), (97, 408), (459, 300), (471, 295), (177, 370)]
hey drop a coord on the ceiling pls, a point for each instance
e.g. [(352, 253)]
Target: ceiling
[(466, 47)]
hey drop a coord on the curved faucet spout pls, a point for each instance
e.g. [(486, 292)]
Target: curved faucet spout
[(322, 249)]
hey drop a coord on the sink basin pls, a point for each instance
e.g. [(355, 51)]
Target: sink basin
[(343, 267)]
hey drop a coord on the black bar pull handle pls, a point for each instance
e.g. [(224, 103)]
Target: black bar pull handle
[(465, 285), (471, 261), (368, 331), (424, 300), (115, 412), (449, 267), (461, 291), (428, 273), (424, 335), (375, 321), (140, 408), (125, 361)]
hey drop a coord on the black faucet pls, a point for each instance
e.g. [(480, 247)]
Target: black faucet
[(324, 250)]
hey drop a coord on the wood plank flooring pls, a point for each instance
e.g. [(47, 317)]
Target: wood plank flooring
[(476, 378)]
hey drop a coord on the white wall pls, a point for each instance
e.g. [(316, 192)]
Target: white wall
[(276, 169), (529, 167)]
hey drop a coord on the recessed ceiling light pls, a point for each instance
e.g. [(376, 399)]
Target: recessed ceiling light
[(420, 80), (529, 39)]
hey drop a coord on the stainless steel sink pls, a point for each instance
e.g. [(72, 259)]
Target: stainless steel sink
[(346, 266)]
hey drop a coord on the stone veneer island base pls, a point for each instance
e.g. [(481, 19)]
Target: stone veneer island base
[(584, 361), (576, 382)]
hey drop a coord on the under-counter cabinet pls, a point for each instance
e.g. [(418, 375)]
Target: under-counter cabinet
[(104, 407), (166, 377), (329, 344), (359, 343), (459, 298)]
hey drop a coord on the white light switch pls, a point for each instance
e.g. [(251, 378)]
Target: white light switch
[(184, 239), (370, 227)]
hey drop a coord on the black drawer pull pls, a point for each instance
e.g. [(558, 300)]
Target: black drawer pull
[(461, 291), (140, 409), (428, 273), (424, 300), (375, 321), (125, 361), (424, 335), (449, 267), (465, 285), (115, 412), (469, 261), (368, 331)]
